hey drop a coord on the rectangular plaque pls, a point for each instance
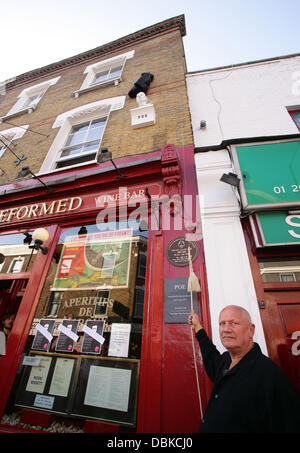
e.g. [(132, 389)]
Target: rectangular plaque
[(177, 301)]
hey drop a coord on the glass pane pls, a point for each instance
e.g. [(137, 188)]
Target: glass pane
[(92, 285), (296, 117), (101, 76), (15, 254), (280, 270), (71, 151), (76, 137), (115, 72), (93, 146)]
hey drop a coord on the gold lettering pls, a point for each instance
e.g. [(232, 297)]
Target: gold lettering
[(72, 201), (61, 205), (44, 209), (11, 213), (2, 214), (32, 210), (25, 208)]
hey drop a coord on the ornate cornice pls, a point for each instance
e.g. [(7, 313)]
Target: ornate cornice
[(177, 22)]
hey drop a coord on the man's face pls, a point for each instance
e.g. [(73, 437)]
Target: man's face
[(8, 323), (236, 331)]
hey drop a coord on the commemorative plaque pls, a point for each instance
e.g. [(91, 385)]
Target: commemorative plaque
[(177, 251)]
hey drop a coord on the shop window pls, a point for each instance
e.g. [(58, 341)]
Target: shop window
[(91, 307), (280, 270), (29, 98), (104, 73)]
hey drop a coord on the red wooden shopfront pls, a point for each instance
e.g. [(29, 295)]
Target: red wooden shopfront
[(167, 395)]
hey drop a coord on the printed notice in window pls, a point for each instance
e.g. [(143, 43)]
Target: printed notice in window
[(38, 376), (108, 388), (61, 377)]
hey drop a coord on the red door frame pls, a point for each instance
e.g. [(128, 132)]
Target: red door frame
[(262, 288)]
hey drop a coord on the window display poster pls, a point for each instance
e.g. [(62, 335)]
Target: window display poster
[(119, 340), (93, 339), (38, 376), (108, 388), (61, 378), (101, 260), (43, 336), (67, 335)]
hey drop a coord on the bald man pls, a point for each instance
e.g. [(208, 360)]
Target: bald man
[(250, 393)]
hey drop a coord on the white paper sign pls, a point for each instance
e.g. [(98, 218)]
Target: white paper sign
[(44, 401), (92, 333), (68, 332), (38, 376), (61, 377), (44, 332), (108, 388), (119, 340), (31, 361)]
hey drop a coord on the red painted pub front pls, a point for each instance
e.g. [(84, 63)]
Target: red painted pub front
[(145, 361)]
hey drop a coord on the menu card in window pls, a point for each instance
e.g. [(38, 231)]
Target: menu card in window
[(93, 339), (67, 335), (43, 336)]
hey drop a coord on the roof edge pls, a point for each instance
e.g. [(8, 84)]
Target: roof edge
[(145, 33)]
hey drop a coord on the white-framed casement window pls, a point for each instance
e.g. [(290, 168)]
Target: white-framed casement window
[(82, 144), (29, 98), (104, 73), (81, 130), (9, 135)]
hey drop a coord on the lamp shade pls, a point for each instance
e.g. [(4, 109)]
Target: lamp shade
[(41, 234)]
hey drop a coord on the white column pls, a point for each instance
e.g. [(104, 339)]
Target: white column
[(229, 276)]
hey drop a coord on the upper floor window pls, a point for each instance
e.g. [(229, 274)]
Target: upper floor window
[(104, 72), (29, 98), (296, 117), (80, 134), (9, 135), (82, 143)]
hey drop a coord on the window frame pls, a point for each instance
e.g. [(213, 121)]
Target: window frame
[(67, 120), (92, 70), (36, 90), (9, 135), (291, 113), (82, 144)]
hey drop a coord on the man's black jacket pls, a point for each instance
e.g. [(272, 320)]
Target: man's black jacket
[(254, 396)]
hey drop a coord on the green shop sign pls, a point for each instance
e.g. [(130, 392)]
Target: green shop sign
[(276, 228), (269, 173)]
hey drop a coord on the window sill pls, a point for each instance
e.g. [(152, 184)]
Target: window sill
[(115, 82), (19, 112)]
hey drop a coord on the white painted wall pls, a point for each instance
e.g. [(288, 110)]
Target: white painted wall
[(244, 101), (228, 270), (239, 102)]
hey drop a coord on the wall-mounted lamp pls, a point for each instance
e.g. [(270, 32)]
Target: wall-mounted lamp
[(202, 124), (82, 230), (40, 235), (230, 178), (26, 171)]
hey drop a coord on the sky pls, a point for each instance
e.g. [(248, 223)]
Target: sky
[(35, 33)]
